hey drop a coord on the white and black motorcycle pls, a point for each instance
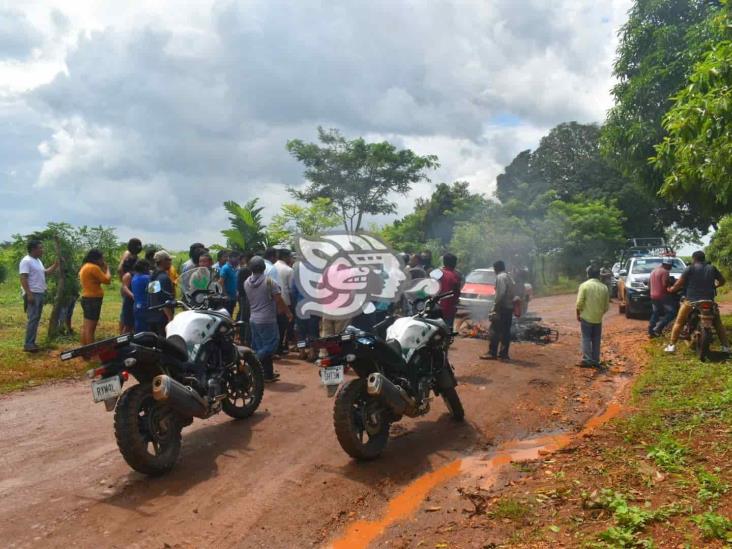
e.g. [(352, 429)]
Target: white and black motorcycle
[(398, 366), (195, 371)]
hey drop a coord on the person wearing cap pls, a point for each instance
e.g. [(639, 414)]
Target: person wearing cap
[(662, 303), (158, 319)]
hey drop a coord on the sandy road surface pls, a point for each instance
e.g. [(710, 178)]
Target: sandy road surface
[(278, 479)]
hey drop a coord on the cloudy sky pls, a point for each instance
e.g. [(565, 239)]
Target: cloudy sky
[(146, 116)]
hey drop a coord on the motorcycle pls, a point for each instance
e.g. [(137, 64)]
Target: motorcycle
[(700, 325), (195, 371), (398, 366)]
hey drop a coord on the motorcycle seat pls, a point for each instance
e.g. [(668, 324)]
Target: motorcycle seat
[(175, 346)]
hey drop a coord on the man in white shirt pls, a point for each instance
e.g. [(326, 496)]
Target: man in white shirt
[(283, 266), (33, 281)]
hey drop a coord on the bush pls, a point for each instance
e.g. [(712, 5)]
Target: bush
[(720, 247)]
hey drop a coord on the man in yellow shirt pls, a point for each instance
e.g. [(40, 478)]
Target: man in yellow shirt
[(593, 301)]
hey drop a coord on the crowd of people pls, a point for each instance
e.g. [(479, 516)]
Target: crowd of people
[(671, 303), (259, 289)]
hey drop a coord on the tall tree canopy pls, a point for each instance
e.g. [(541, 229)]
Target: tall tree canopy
[(696, 155), (295, 219), (357, 176), (434, 218), (659, 45)]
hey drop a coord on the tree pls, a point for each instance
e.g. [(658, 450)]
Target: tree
[(579, 232), (480, 243), (357, 176), (720, 247), (295, 219), (659, 45), (435, 218), (696, 155), (247, 231)]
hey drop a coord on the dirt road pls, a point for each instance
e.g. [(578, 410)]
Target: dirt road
[(278, 479)]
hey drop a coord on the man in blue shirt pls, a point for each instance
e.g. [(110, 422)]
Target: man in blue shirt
[(228, 275)]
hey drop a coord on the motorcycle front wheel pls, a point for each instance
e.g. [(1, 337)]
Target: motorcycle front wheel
[(244, 389), (360, 425), (147, 432), (452, 401)]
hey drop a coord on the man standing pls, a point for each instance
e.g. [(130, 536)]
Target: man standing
[(663, 308), (33, 281), (450, 281), (227, 276), (194, 251), (701, 280), (245, 335), (265, 301), (502, 314), (284, 276), (222, 256), (159, 319), (593, 301)]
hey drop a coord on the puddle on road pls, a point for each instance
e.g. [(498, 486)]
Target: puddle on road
[(486, 469)]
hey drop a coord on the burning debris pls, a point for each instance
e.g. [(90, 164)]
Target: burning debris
[(528, 328)]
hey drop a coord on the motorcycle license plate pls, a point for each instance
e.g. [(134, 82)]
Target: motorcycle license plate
[(333, 375), (106, 388)]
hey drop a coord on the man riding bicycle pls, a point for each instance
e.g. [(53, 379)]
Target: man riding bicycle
[(700, 280)]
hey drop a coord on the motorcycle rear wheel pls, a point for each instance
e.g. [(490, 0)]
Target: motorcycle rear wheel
[(244, 390), (452, 401), (358, 438), (147, 433), (703, 343)]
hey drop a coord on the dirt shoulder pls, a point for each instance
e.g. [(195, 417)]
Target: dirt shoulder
[(280, 478), (657, 475)]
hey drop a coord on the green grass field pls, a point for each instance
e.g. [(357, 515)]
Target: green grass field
[(19, 369)]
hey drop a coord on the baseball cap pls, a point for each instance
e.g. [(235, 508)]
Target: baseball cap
[(667, 261), (160, 255)]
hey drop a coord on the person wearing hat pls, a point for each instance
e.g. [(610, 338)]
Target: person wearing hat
[(662, 303), (159, 318)]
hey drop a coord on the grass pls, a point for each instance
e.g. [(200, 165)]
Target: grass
[(509, 508), (20, 370), (563, 285)]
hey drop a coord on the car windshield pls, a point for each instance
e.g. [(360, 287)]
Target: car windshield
[(645, 266), (481, 277)]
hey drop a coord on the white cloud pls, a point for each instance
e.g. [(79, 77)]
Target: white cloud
[(147, 117)]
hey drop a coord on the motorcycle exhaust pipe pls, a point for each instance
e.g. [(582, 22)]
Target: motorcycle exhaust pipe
[(394, 396), (181, 398)]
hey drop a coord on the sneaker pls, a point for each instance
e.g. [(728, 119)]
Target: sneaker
[(275, 377), (488, 356), (32, 349), (670, 348)]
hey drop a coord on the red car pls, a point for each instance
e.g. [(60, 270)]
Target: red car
[(480, 288)]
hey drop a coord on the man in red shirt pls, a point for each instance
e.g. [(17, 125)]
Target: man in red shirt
[(664, 309), (451, 281)]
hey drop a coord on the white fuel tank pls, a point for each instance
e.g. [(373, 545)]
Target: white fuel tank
[(194, 327), (411, 334)]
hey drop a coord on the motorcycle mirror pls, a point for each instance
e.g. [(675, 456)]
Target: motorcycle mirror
[(436, 274), (154, 287), (369, 308)]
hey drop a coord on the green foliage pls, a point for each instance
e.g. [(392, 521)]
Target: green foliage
[(509, 508), (668, 453), (714, 526), (695, 155), (435, 218), (480, 243), (295, 219), (711, 487), (630, 520), (247, 231), (720, 247), (659, 45), (3, 272), (579, 232), (357, 176)]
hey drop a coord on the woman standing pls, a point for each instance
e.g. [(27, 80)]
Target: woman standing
[(93, 273), (127, 316)]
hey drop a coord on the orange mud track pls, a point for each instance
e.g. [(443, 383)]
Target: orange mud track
[(280, 479)]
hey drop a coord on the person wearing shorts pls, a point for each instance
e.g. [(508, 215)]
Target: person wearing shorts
[(93, 273)]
